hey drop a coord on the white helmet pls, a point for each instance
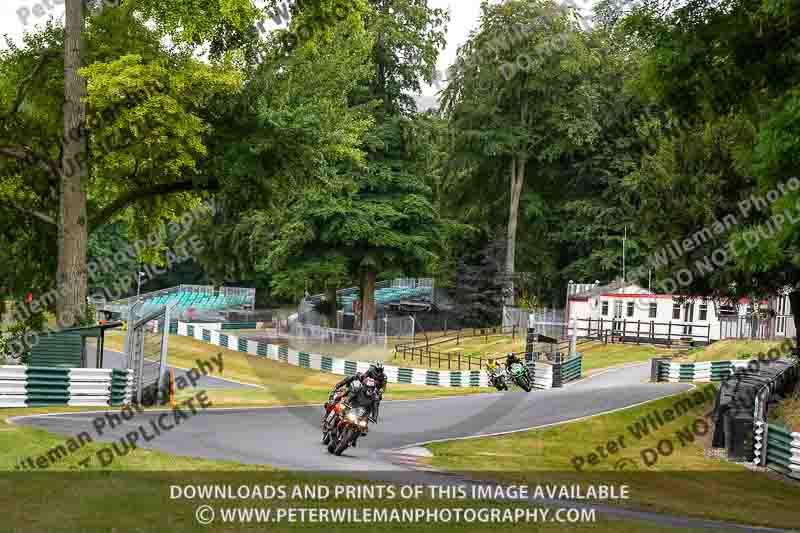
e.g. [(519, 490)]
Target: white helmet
[(355, 385)]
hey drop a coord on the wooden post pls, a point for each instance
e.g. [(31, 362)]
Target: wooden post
[(459, 360), (638, 328), (669, 334), (624, 330)]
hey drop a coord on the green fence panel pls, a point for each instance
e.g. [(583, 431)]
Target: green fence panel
[(58, 350)]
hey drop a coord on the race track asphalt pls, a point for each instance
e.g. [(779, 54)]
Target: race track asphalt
[(112, 359), (288, 437)]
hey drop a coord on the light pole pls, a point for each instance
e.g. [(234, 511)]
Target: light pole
[(139, 283)]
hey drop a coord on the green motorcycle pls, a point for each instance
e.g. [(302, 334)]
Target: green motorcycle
[(521, 376)]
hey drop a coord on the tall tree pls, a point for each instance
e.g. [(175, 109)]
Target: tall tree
[(521, 96), (73, 233)]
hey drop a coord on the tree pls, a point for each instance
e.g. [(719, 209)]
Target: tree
[(73, 170), (537, 106), (73, 167), (728, 73), (479, 283)]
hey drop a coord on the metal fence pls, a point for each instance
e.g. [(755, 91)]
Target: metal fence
[(642, 331), (745, 327), (520, 317), (424, 351), (146, 348), (319, 334)]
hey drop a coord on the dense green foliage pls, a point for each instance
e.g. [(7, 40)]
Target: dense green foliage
[(658, 123)]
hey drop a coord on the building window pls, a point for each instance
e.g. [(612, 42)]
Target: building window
[(617, 309), (676, 311), (605, 308), (703, 312), (630, 309), (653, 309)]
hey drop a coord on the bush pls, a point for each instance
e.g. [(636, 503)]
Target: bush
[(788, 413)]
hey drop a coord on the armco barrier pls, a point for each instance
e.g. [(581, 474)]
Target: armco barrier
[(41, 386), (675, 372), (542, 371), (782, 448)]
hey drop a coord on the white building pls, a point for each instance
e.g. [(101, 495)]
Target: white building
[(635, 313)]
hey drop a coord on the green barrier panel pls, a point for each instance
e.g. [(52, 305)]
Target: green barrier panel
[(303, 359), (432, 377), (405, 375), (326, 364), (242, 346), (223, 340), (190, 331), (261, 349), (475, 378), (207, 335), (350, 368), (283, 353), (239, 325), (455, 379)]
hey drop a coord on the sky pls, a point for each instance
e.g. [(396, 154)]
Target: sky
[(18, 15)]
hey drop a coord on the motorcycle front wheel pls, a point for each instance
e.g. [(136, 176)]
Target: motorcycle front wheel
[(344, 442)]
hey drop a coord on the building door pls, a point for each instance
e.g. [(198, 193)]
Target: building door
[(780, 320), (688, 318), (617, 325)]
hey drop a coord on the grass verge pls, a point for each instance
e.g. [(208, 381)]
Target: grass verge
[(730, 349), (596, 355), (281, 383), (684, 482), (134, 493)]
